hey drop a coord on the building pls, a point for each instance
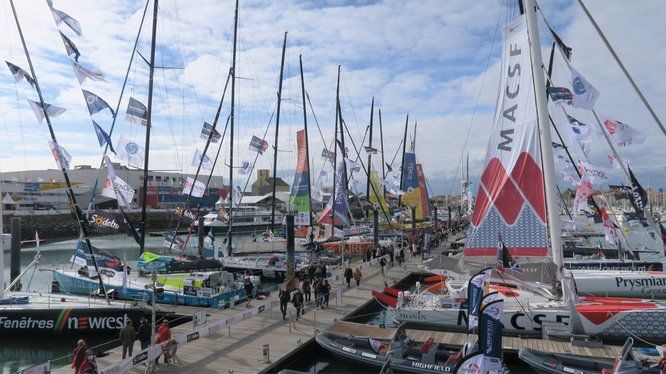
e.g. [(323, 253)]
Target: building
[(46, 189), (264, 184)]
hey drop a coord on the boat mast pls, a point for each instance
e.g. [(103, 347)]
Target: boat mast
[(307, 146), (335, 149), (70, 191), (381, 140), (402, 163), (550, 185), (149, 124), (277, 129), (231, 132), (372, 112)]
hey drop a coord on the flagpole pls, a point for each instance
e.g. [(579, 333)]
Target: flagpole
[(231, 131), (335, 150), (277, 129), (372, 112), (402, 163), (307, 148), (381, 140), (149, 124), (70, 191)]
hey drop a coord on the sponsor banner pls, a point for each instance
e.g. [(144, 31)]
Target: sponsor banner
[(199, 318), (103, 222), (300, 196), (341, 206), (38, 369)]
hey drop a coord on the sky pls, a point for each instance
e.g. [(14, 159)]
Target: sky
[(437, 61)]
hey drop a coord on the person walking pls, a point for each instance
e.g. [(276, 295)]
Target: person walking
[(127, 335), (382, 263), (401, 256), (89, 364), (297, 299), (307, 290), (284, 301), (349, 274), (144, 333), (79, 355), (317, 294), (357, 276), (327, 292), (163, 336), (391, 256), (248, 286)]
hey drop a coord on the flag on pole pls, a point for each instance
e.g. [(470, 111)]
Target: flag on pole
[(136, 112), (389, 168), (20, 74), (343, 149), (51, 110), (258, 145), (206, 130), (622, 134), (617, 164), (83, 72), (199, 157), (70, 47), (325, 153), (569, 178), (370, 150), (504, 258), (579, 132), (103, 137), (198, 190), (61, 156), (596, 174), (61, 17), (130, 152), (560, 95), (583, 192), (245, 168), (96, 103), (353, 166), (236, 195), (584, 94)]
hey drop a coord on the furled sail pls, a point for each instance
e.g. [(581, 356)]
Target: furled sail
[(341, 205), (300, 194)]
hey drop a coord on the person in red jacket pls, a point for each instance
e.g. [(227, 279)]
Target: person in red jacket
[(163, 336), (89, 365), (79, 355)]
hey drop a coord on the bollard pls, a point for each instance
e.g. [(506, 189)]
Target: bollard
[(266, 353)]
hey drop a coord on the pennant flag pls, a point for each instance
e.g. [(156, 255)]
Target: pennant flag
[(504, 258), (557, 145), (325, 153), (490, 336), (198, 190), (370, 150), (620, 192), (82, 73), (130, 152), (475, 289), (595, 173), (103, 137), (236, 195), (188, 215), (245, 168), (51, 110), (584, 94), (583, 192), (569, 178), (107, 263), (119, 190), (20, 74), (70, 47), (206, 130), (61, 156), (136, 112), (615, 163), (353, 166), (565, 49), (639, 198), (610, 228), (172, 240), (342, 148), (102, 222), (560, 95), (199, 157), (61, 17), (622, 134), (258, 145), (578, 131), (96, 103), (389, 168)]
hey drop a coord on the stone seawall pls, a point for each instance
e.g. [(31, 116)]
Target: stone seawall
[(64, 225)]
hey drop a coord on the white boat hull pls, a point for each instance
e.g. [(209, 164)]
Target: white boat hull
[(638, 284)]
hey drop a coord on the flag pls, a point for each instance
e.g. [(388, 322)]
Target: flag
[(610, 228), (206, 130), (475, 289), (325, 153), (61, 156), (83, 72), (96, 103), (504, 258), (595, 173), (569, 178), (117, 189), (199, 157), (370, 150), (130, 152), (557, 145), (51, 110), (562, 161), (317, 194), (258, 145), (639, 197), (323, 175), (245, 168), (342, 148), (389, 168), (579, 132), (583, 192), (70, 47), (107, 263), (560, 95), (197, 191), (61, 17), (236, 195), (136, 112), (102, 222), (622, 134), (19, 73), (103, 137), (470, 364), (584, 94), (353, 166), (615, 164), (565, 49)]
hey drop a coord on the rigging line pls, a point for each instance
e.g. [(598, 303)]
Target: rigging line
[(351, 104), (11, 144), (476, 104)]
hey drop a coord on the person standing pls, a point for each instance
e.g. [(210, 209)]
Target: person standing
[(163, 336), (382, 263), (307, 290), (284, 301), (327, 292), (297, 299), (89, 364), (79, 355), (349, 274), (357, 276), (248, 286), (144, 333), (317, 294), (401, 256), (127, 336)]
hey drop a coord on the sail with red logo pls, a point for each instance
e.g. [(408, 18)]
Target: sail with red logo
[(511, 200)]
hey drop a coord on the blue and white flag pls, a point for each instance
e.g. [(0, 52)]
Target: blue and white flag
[(51, 110), (61, 17), (258, 145), (325, 153), (70, 47), (206, 130), (584, 94), (20, 74), (83, 72), (200, 158), (353, 166), (196, 188), (103, 137), (245, 168), (370, 150), (560, 94), (96, 103), (579, 132), (136, 112), (61, 156), (131, 152)]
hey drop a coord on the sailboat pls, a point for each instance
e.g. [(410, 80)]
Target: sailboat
[(516, 216)]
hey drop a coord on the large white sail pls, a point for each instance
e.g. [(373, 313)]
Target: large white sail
[(510, 201)]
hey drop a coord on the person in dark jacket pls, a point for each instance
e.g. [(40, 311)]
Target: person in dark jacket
[(127, 337), (297, 299), (248, 286), (307, 290), (284, 301), (317, 292), (326, 289), (311, 273), (349, 274), (79, 355), (144, 334)]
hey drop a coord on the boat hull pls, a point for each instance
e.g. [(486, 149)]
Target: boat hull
[(639, 284)]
